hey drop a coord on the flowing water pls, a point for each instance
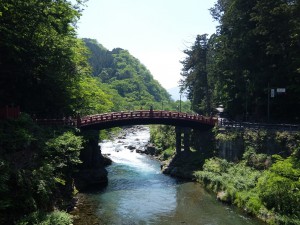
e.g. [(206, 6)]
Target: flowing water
[(137, 193)]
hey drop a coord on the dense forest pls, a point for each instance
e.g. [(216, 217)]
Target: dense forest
[(49, 73), (44, 71), (250, 65), (124, 73)]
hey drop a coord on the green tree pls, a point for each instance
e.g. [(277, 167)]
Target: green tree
[(89, 98), (195, 76), (256, 50), (41, 59)]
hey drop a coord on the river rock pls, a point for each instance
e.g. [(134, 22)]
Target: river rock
[(87, 178), (139, 151), (182, 165), (131, 147), (150, 149), (223, 196)]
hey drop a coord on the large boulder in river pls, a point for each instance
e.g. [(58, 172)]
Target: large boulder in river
[(150, 149), (91, 172), (131, 147)]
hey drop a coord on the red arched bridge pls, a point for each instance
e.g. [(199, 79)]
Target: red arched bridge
[(140, 117)]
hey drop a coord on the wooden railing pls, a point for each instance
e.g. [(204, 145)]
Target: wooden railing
[(9, 112), (144, 114), (56, 122), (131, 115)]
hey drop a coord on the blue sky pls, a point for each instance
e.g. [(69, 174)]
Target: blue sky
[(154, 31)]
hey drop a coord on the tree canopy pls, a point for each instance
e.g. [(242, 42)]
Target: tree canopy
[(41, 58), (246, 64)]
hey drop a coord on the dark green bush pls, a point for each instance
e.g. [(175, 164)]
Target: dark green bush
[(41, 218)]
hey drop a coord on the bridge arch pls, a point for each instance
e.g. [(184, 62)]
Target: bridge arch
[(145, 117)]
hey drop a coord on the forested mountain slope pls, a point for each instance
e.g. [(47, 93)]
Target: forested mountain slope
[(124, 73)]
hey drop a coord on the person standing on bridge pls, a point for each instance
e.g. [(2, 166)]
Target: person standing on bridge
[(151, 111)]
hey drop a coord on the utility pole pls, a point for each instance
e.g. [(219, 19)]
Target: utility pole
[(268, 102), (180, 102), (247, 100)]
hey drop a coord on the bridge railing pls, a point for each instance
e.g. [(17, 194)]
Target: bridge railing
[(99, 118), (10, 112), (56, 122), (131, 115)]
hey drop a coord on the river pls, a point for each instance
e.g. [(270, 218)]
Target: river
[(138, 193)]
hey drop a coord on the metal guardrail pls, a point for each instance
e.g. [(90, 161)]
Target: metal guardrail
[(268, 126)]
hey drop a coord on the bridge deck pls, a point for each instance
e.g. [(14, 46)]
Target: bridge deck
[(144, 117)]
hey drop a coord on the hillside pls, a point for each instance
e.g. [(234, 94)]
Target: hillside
[(124, 73)]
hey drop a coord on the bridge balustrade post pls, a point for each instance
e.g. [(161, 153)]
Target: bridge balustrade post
[(151, 111), (78, 121)]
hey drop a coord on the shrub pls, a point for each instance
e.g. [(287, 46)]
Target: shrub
[(168, 153), (249, 201), (53, 218), (279, 187)]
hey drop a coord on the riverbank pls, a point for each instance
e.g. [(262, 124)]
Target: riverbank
[(263, 185)]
